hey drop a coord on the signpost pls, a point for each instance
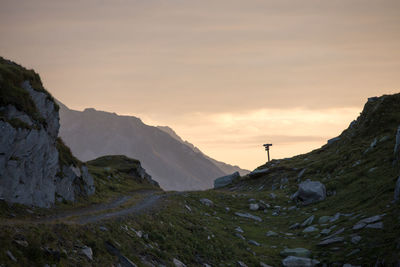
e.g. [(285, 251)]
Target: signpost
[(267, 149)]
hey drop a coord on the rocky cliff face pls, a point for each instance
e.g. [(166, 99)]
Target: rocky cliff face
[(31, 171)]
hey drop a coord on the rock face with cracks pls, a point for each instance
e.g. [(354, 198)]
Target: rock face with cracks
[(31, 172)]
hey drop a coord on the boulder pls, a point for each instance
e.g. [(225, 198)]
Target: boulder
[(324, 219), (249, 216), (310, 229), (226, 180), (293, 261), (207, 202), (310, 192), (254, 206), (298, 252)]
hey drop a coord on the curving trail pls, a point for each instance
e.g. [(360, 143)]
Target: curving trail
[(96, 213)]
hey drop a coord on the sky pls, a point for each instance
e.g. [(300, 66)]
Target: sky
[(226, 75)]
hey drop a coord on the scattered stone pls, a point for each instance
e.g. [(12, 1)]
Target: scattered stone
[(301, 173), (254, 206), (378, 225), (397, 146), (291, 208), (178, 263), (325, 231), (103, 228), (397, 190), (188, 208), (355, 239), (255, 243), (353, 252), (272, 195), (298, 252), (324, 219), (310, 192), (249, 216), (207, 202), (262, 264), (338, 232), (271, 233), (240, 236), (363, 223), (125, 262), (293, 261), (335, 217), (331, 241), (87, 251), (22, 243), (11, 256), (308, 221), (295, 226), (238, 229), (241, 264), (310, 229)]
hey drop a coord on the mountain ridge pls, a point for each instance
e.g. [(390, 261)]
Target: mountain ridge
[(176, 165)]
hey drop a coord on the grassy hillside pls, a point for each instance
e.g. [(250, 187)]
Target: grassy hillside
[(359, 174)]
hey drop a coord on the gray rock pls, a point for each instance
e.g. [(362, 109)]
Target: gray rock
[(310, 192), (226, 180), (271, 233), (249, 216), (308, 221), (325, 231), (262, 264), (207, 202), (272, 195), (295, 226), (258, 172), (356, 239), (240, 236), (378, 225), (29, 161), (87, 251), (298, 252), (324, 219), (11, 256), (310, 229), (397, 190), (238, 229), (293, 261), (361, 224), (254, 206), (254, 243), (178, 263), (396, 150), (241, 264), (125, 262), (334, 218), (301, 173), (332, 240)]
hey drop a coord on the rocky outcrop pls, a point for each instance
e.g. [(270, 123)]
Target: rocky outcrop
[(225, 180), (30, 169)]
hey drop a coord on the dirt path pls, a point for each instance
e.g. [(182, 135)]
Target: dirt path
[(95, 213)]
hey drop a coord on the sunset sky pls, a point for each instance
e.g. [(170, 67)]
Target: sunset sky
[(226, 75)]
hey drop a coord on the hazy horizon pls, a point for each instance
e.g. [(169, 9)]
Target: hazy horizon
[(227, 76)]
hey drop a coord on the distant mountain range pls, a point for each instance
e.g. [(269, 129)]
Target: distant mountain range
[(174, 163)]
